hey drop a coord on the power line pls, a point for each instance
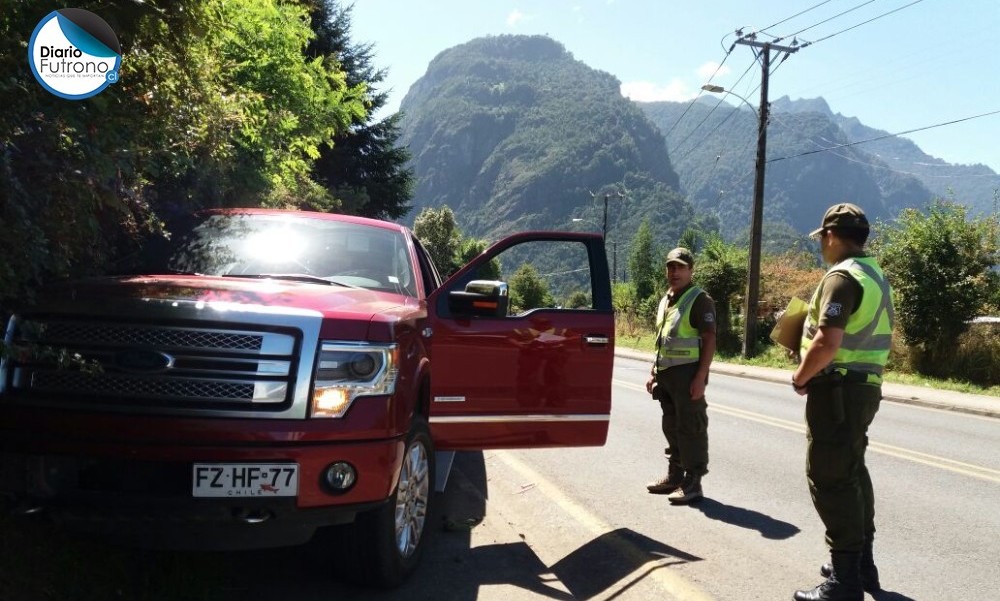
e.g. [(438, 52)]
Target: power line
[(877, 162), (678, 146), (793, 16), (833, 17), (863, 23), (910, 131), (690, 104)]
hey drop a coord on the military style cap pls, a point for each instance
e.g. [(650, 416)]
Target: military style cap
[(843, 215), (680, 255)]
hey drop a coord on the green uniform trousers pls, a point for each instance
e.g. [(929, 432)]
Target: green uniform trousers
[(685, 421), (838, 416)]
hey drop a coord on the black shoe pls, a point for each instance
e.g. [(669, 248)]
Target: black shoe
[(689, 491), (666, 485), (843, 583), (869, 576), (831, 590)]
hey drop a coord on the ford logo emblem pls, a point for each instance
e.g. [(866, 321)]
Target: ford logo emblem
[(138, 360)]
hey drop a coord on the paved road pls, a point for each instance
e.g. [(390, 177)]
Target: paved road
[(578, 524)]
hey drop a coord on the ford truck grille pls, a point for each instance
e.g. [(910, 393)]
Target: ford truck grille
[(127, 386), (158, 368), (131, 336)]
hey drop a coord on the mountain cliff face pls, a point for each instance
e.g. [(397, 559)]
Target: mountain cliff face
[(513, 133), (715, 154), (971, 185)]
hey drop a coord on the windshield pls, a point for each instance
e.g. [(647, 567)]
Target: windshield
[(288, 246)]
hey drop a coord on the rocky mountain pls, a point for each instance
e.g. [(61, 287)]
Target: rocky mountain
[(513, 133), (714, 150), (972, 185)]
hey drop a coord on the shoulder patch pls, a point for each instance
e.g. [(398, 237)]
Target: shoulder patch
[(833, 310), (709, 317)]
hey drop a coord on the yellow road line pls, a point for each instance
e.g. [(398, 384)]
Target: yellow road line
[(958, 467), (671, 582)]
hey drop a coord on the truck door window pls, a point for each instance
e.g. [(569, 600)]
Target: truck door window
[(552, 274)]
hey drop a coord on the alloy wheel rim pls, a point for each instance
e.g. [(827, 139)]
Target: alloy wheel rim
[(411, 499)]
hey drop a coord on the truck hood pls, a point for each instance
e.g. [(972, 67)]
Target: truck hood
[(329, 301)]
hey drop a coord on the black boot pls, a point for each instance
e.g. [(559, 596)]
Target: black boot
[(869, 572), (844, 582)]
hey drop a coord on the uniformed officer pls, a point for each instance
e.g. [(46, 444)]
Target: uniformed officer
[(845, 346), (685, 345)]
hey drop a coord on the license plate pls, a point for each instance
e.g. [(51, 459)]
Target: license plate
[(245, 480)]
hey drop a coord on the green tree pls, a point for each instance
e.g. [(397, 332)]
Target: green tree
[(469, 249), (939, 263), (291, 104), (720, 269), (644, 262), (578, 299), (438, 231), (625, 305), (365, 167), (217, 106), (528, 290), (698, 231)]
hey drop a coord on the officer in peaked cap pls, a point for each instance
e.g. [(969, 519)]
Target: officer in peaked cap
[(685, 345), (844, 348)]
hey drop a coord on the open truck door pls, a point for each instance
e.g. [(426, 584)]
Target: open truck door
[(522, 346)]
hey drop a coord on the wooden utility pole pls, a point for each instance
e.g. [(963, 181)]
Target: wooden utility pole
[(757, 213), (614, 267), (607, 195)]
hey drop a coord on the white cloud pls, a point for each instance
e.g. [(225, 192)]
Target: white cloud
[(646, 91), (515, 17), (708, 70)]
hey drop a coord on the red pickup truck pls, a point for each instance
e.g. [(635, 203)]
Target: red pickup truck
[(273, 372)]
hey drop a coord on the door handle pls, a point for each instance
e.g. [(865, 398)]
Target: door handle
[(596, 340)]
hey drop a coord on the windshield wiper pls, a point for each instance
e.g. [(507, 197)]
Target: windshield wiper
[(297, 277), (179, 272)]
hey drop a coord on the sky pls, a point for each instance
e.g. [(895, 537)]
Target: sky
[(896, 65)]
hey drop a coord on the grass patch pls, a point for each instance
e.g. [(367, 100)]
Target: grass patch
[(773, 356)]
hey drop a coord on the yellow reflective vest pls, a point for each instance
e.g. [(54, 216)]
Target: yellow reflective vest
[(868, 335), (677, 342)]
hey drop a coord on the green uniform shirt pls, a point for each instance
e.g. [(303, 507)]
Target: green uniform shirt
[(839, 297), (702, 311)]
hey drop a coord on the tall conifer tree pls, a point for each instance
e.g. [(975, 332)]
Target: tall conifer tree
[(365, 169)]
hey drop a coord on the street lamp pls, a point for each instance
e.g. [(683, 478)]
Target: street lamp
[(714, 89), (757, 216)]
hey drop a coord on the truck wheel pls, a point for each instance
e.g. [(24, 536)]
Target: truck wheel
[(390, 540)]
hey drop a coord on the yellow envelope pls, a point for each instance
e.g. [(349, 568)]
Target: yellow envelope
[(788, 331)]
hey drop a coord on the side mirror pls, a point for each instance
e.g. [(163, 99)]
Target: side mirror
[(487, 298)]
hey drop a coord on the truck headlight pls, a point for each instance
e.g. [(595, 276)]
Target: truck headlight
[(348, 370)]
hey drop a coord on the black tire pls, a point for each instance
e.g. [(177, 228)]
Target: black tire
[(389, 541)]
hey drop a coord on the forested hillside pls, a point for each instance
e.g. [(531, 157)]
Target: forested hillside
[(972, 185), (513, 133)]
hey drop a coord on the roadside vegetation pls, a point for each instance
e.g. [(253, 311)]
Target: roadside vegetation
[(195, 122), (943, 265)]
